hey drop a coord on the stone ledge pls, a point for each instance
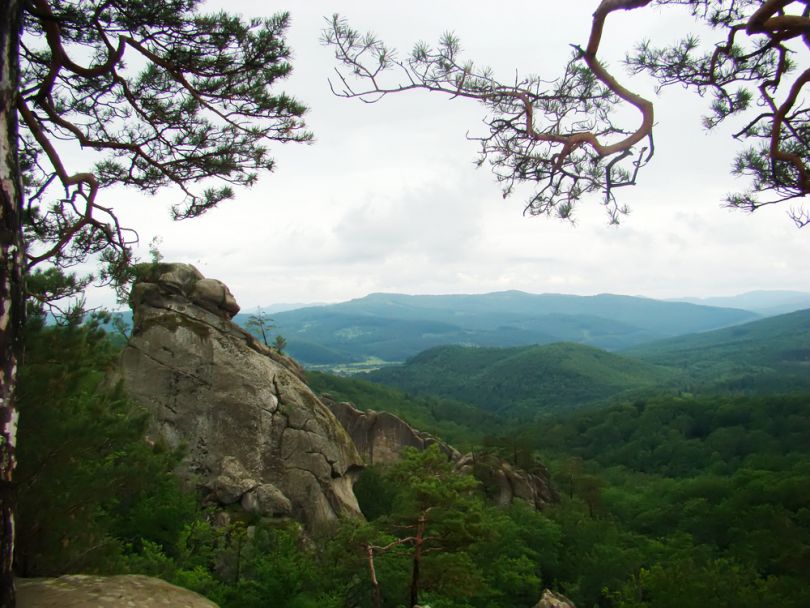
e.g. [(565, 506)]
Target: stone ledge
[(123, 591)]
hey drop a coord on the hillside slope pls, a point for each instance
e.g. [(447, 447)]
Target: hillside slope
[(520, 382), (770, 354)]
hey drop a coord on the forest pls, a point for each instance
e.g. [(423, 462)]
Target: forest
[(664, 500)]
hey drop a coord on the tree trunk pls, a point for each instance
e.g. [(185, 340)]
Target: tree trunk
[(419, 540), (11, 283), (376, 595)]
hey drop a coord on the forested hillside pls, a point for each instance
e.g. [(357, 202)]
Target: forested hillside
[(760, 357), (665, 501), (765, 355), (520, 382), (669, 499)]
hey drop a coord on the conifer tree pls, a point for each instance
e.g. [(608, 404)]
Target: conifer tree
[(96, 93), (564, 135)]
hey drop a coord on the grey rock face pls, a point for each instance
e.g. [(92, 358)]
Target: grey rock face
[(381, 437), (253, 431)]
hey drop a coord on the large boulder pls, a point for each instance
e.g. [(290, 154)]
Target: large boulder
[(83, 591), (504, 482), (252, 431)]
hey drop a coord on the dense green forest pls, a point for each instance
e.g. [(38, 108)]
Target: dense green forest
[(665, 501), (762, 356), (519, 382), (756, 358)]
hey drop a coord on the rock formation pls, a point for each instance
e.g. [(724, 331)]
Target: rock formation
[(549, 599), (381, 437), (82, 591), (504, 482), (253, 431)]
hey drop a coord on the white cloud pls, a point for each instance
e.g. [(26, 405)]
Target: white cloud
[(387, 199)]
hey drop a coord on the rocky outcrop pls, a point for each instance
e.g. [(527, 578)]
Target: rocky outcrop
[(253, 432), (504, 482), (381, 437), (81, 591), (549, 599)]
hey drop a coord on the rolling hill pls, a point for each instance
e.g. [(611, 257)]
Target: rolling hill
[(761, 357), (393, 327), (520, 382), (770, 354)]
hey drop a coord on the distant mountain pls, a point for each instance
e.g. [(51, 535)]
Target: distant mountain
[(393, 327), (521, 382), (271, 309), (770, 354), (766, 303)]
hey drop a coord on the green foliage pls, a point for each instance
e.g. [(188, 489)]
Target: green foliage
[(681, 436), (723, 583), (460, 424), (89, 485), (164, 94), (260, 325), (280, 343), (473, 554), (706, 499), (521, 382)]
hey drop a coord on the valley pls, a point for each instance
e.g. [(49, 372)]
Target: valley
[(672, 470)]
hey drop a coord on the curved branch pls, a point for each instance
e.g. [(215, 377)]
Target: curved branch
[(642, 105), (50, 25)]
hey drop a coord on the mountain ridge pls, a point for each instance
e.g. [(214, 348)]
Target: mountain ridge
[(392, 327)]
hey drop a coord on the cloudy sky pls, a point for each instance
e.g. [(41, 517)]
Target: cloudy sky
[(388, 198)]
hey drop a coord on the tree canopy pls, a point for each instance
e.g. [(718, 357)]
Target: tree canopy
[(162, 94), (566, 134)]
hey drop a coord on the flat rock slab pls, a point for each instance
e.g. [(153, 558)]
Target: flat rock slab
[(125, 591)]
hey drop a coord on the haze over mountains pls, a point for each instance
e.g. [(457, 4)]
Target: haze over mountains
[(766, 303), (393, 327)]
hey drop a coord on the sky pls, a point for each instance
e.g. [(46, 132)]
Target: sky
[(387, 198)]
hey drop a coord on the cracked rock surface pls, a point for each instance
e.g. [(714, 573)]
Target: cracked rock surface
[(253, 431)]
